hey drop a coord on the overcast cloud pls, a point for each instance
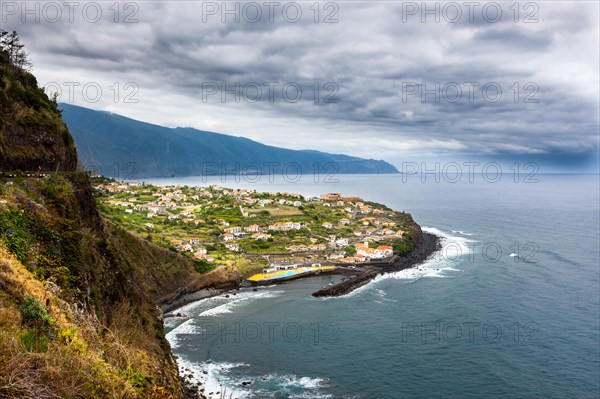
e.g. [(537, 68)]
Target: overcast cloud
[(373, 61)]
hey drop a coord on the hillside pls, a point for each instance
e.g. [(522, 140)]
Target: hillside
[(78, 313), (32, 134), (141, 149)]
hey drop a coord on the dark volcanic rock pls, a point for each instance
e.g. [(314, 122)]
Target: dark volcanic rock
[(427, 245)]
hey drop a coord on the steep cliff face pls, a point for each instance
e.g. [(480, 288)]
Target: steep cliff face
[(77, 311), (33, 136)]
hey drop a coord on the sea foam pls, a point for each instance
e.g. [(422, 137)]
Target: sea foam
[(453, 250), (225, 377)]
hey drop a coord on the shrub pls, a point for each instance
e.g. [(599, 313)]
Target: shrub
[(69, 336), (35, 315), (136, 378), (350, 250), (202, 265), (402, 248), (57, 188)]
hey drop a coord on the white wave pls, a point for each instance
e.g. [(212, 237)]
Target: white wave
[(235, 301), (190, 307), (184, 328), (293, 381), (461, 232), (383, 296), (454, 249), (216, 377), (213, 377), (170, 322)]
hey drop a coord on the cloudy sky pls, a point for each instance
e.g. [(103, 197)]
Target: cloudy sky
[(378, 79)]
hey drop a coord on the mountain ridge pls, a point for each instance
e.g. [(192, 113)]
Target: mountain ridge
[(106, 140)]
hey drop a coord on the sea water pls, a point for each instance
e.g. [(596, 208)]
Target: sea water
[(508, 308)]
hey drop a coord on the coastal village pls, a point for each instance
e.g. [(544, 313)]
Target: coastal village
[(270, 232)]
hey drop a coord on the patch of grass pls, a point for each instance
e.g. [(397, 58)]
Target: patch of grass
[(33, 340), (38, 323), (203, 266), (14, 228)]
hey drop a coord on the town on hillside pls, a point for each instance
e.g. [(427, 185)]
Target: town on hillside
[(252, 230)]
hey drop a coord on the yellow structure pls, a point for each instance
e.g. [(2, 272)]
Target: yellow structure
[(289, 273)]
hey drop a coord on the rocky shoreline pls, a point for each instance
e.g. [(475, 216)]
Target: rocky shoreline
[(427, 246)]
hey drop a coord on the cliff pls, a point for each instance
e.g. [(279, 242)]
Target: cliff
[(32, 134), (78, 317)]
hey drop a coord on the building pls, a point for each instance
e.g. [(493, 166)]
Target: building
[(252, 228), (382, 251), (186, 248), (317, 247), (285, 226), (233, 246), (341, 242), (331, 197)]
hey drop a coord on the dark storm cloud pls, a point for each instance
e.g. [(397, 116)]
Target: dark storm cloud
[(375, 54)]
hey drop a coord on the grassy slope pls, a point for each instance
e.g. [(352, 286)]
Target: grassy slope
[(94, 330), (100, 280)]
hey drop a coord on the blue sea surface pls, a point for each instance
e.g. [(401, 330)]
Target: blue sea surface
[(509, 308)]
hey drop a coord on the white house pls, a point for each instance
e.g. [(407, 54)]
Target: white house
[(233, 246), (252, 228)]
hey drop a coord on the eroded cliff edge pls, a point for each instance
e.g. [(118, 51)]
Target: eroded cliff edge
[(78, 317)]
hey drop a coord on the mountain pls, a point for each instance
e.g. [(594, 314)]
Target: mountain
[(109, 143), (78, 295)]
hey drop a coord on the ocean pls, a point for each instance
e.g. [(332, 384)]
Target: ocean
[(509, 307)]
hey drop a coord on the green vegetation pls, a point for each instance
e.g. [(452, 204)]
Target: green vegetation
[(35, 315), (403, 248), (38, 323), (52, 247), (217, 226), (202, 265), (350, 250), (78, 316)]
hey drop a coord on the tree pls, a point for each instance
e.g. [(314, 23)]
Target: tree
[(12, 51), (4, 56), (350, 250)]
